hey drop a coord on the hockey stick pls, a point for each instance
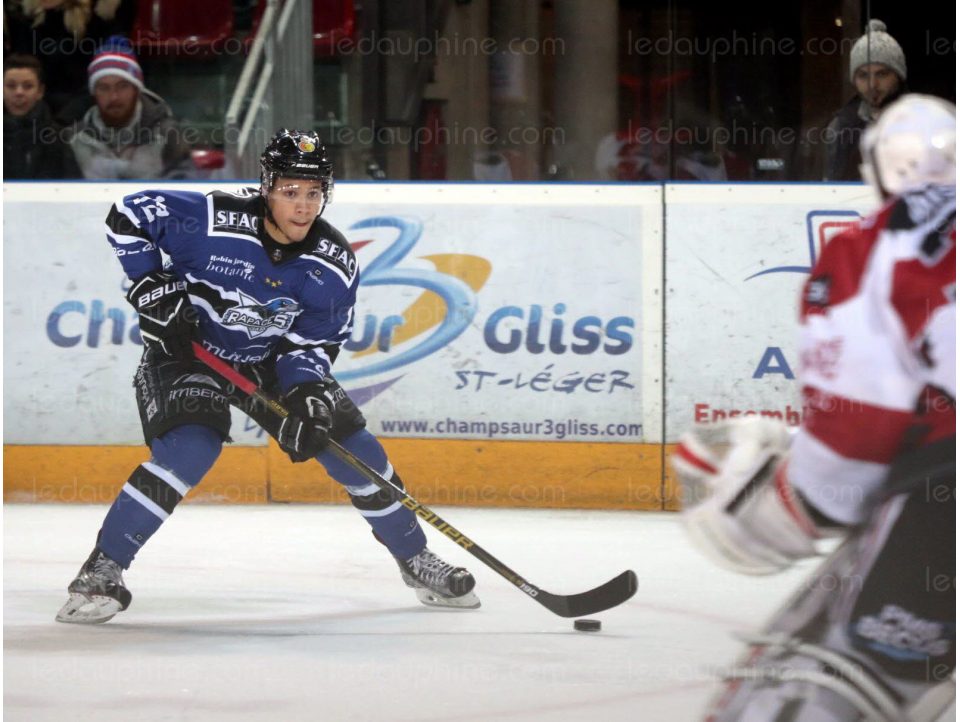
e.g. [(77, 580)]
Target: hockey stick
[(615, 592)]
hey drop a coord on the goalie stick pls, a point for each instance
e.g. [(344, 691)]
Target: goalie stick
[(613, 593)]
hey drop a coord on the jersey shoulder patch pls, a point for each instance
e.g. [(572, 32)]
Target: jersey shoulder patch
[(333, 251), (838, 273), (234, 213)]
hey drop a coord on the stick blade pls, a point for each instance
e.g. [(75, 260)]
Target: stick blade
[(606, 596)]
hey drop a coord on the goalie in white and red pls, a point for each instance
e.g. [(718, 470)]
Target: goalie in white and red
[(873, 634)]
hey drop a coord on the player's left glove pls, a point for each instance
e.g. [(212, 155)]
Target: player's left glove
[(306, 431), (738, 506), (168, 320)]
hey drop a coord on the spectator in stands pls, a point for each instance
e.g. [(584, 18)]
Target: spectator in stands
[(64, 34), (130, 132), (878, 70), (32, 147)]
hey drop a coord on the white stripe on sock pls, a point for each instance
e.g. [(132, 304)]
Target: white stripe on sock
[(362, 490), (381, 512), (146, 502), (370, 488), (181, 488)]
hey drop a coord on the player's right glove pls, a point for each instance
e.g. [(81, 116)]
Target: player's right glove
[(738, 506), (168, 320), (306, 431)]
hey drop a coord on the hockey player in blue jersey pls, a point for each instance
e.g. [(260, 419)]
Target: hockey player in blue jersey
[(263, 282)]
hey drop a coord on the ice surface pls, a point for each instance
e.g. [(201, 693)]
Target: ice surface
[(296, 613)]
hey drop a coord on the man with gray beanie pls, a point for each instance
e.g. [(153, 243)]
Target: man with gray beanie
[(129, 132), (878, 70)]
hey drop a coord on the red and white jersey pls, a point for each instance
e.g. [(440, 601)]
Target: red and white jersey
[(877, 351)]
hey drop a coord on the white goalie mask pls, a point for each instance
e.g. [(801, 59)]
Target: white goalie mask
[(912, 144)]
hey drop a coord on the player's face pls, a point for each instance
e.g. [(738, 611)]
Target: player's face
[(22, 90), (875, 83), (294, 205), (117, 100)]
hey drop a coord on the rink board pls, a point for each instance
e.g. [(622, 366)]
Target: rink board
[(530, 372), (488, 313), (738, 255), (494, 338), (445, 472)]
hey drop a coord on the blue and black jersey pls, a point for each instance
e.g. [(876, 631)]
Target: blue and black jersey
[(256, 299)]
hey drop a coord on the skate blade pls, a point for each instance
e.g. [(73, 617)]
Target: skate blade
[(432, 599), (81, 609)]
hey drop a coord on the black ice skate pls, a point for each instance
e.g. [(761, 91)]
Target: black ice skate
[(97, 594), (437, 583)]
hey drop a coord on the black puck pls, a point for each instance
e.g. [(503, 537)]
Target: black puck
[(587, 625)]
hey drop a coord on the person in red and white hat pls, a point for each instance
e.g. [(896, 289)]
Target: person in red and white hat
[(129, 132)]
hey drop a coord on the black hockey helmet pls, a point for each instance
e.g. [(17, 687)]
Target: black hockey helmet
[(296, 154)]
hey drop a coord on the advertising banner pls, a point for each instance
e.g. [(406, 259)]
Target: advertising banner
[(485, 312), (71, 340), (516, 313), (736, 258)]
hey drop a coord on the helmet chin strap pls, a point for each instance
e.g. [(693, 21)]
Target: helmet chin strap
[(267, 213), (268, 216)]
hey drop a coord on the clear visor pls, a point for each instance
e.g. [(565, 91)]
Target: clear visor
[(303, 192)]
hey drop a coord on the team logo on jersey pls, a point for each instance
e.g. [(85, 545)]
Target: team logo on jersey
[(902, 635), (258, 318)]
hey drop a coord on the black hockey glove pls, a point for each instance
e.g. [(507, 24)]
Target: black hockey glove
[(305, 432), (168, 321)]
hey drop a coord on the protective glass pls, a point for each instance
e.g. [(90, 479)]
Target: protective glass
[(292, 192)]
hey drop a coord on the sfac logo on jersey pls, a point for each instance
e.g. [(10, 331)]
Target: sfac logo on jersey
[(235, 221), (339, 256), (258, 318)]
